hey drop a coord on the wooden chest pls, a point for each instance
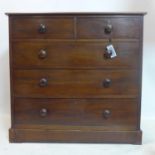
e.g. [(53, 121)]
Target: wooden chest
[(67, 85)]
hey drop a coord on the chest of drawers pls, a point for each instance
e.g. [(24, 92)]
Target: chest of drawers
[(65, 85)]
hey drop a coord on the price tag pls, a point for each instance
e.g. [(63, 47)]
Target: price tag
[(111, 49)]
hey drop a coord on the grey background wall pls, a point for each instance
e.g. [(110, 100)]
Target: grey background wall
[(148, 93)]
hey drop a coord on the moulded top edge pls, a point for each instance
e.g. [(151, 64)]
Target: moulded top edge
[(74, 13)]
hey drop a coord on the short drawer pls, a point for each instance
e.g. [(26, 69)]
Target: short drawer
[(74, 54), (105, 27), (75, 83), (107, 114), (42, 27)]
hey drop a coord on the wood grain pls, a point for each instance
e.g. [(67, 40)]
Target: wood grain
[(75, 83), (94, 27), (89, 136), (78, 112), (63, 89), (27, 27), (74, 54)]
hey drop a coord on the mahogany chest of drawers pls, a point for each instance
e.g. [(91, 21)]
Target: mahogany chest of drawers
[(65, 84)]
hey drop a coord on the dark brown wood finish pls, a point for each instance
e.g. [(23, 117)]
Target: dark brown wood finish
[(76, 14), (42, 27), (74, 54), (76, 136), (64, 87), (77, 112), (96, 27), (78, 83)]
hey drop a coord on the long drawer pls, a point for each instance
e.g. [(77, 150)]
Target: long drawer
[(75, 83), (74, 54), (106, 114)]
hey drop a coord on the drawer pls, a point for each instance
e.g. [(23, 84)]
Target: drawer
[(111, 114), (74, 54), (105, 27), (75, 83), (42, 27)]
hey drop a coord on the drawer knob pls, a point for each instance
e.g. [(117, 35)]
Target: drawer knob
[(107, 54), (43, 82), (42, 54), (107, 83), (43, 112), (106, 113), (108, 29), (42, 28)]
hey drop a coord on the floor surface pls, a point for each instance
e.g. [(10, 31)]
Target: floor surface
[(147, 148)]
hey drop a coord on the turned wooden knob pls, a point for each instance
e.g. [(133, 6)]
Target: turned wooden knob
[(42, 54), (43, 82), (42, 28), (43, 112), (106, 113), (108, 29), (107, 54), (107, 83)]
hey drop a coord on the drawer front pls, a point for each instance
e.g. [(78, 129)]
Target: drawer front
[(42, 27), (105, 27), (74, 54), (111, 114), (75, 83)]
